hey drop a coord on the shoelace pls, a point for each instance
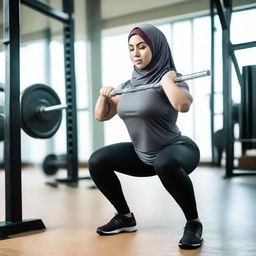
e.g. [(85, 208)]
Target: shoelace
[(116, 219), (190, 228)]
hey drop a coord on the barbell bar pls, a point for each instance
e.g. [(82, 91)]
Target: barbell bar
[(53, 108), (58, 107), (157, 85), (140, 88)]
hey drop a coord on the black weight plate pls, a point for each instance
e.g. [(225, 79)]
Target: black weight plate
[(49, 164), (33, 122), (1, 87)]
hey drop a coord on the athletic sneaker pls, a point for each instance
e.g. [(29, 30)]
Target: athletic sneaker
[(118, 224), (192, 237)]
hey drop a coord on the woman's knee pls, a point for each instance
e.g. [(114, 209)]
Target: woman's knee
[(96, 162)]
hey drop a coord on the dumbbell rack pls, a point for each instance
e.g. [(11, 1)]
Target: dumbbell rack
[(14, 223)]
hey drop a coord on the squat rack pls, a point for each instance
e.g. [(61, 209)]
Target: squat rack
[(224, 11), (14, 223)]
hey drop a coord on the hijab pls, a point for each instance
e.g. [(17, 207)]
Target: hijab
[(161, 61)]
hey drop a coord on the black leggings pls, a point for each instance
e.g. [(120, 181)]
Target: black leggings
[(172, 165)]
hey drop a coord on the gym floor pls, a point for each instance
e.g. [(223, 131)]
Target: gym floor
[(226, 206)]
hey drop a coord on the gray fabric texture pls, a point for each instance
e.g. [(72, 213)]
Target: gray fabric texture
[(150, 120)]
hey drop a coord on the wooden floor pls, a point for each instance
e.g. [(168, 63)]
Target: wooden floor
[(227, 208)]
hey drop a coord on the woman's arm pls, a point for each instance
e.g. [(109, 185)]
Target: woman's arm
[(179, 97), (106, 106)]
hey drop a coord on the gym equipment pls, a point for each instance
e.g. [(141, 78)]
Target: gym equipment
[(36, 119), (14, 223), (40, 112), (248, 107), (52, 163), (41, 107), (157, 85), (1, 87)]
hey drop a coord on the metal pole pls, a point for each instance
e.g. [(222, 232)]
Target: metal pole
[(12, 143), (212, 78), (12, 146), (94, 47), (227, 93), (71, 113)]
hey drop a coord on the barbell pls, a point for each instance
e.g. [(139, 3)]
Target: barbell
[(41, 107), (177, 79)]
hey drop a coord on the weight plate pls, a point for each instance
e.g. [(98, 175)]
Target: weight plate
[(1, 87), (35, 123), (49, 164)]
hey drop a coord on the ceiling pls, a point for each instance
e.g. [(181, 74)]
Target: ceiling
[(114, 13), (116, 8), (32, 21)]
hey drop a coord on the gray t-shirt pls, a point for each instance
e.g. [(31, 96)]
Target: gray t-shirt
[(150, 120)]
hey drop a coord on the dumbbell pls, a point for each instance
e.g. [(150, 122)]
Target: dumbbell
[(52, 163)]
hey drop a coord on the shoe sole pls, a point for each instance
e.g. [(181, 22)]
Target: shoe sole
[(117, 231), (190, 246)]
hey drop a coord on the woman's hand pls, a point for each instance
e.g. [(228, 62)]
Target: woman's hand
[(106, 90), (168, 77), (179, 97), (106, 105)]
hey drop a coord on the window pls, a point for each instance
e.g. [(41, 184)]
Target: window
[(116, 69)]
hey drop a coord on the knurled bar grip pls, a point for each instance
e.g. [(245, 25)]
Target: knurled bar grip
[(157, 85)]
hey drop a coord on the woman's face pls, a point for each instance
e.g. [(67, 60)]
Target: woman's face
[(140, 52)]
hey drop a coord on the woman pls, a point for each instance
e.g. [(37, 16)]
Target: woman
[(157, 146)]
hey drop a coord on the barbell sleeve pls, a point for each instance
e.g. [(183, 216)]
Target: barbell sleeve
[(192, 76), (157, 85), (58, 107), (83, 109), (53, 108)]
